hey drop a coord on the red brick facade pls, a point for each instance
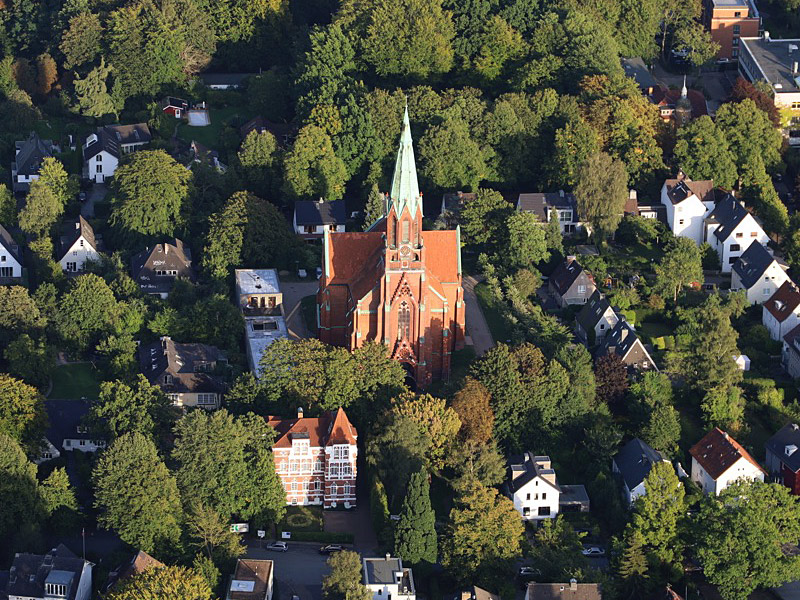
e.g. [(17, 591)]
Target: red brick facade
[(730, 21), (396, 284), (316, 459)]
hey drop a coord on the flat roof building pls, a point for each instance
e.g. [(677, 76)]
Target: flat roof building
[(252, 580), (261, 302)]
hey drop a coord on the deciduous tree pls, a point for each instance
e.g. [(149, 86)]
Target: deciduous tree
[(80, 43), (472, 404), (557, 550), (483, 217), (344, 580), (527, 243), (32, 360), (22, 412), (437, 422), (8, 207), (157, 583), (311, 168), (122, 408), (92, 92), (749, 133), (658, 514), (451, 158), (702, 151), (601, 192), (256, 156), (682, 265), (19, 500), (86, 310), (611, 375)]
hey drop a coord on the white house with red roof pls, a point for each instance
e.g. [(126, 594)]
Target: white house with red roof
[(718, 460), (316, 459), (781, 313)]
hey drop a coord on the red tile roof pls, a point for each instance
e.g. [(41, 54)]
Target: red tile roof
[(717, 452), (784, 301), (441, 254), (330, 428)]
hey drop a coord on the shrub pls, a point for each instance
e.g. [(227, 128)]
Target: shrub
[(323, 537)]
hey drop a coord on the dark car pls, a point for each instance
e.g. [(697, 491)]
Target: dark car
[(330, 549)]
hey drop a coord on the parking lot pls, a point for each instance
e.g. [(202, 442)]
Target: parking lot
[(298, 571)]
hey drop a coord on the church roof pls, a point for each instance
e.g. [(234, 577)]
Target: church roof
[(405, 187)]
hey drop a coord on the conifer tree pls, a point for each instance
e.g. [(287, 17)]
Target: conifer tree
[(632, 569), (375, 207), (415, 536)]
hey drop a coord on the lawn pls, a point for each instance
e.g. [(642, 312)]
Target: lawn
[(493, 313), (209, 136), (308, 306), (75, 381), (302, 518), (653, 330)]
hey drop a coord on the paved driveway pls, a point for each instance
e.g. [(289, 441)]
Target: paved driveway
[(96, 194), (477, 328), (299, 571), (293, 292)]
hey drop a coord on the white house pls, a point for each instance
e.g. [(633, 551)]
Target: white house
[(758, 273), (67, 430), (731, 229), (10, 256), (790, 352), (718, 460), (387, 579), (77, 245), (781, 313), (533, 487), (312, 218), (632, 465), (595, 320), (687, 203), (103, 149), (57, 575), (549, 205)]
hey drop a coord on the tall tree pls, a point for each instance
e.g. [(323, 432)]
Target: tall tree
[(757, 519), (451, 158), (19, 500), (80, 42), (702, 151), (632, 568), (150, 190), (137, 495), (527, 243), (86, 310), (22, 413), (20, 313), (658, 514), (344, 580), (437, 422), (256, 156), (177, 583), (92, 92), (472, 404), (483, 218), (312, 169), (121, 408), (41, 211), (682, 265), (556, 550), (31, 360), (59, 501), (415, 534), (611, 375), (375, 207), (212, 534), (601, 192), (8, 207), (750, 133), (743, 89)]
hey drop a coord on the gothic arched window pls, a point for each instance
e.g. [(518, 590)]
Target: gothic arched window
[(405, 231), (404, 322)]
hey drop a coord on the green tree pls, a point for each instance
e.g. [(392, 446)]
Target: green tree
[(22, 412), (527, 243), (702, 151), (8, 207), (663, 428), (58, 500), (375, 207), (312, 169), (212, 534), (41, 211), (637, 27), (723, 406), (556, 550), (632, 568), (344, 580), (396, 452), (414, 534), (19, 499), (450, 158), (472, 404), (92, 92), (80, 42), (177, 583), (694, 38), (150, 190), (658, 514), (137, 495), (474, 461), (574, 144), (256, 156), (226, 463), (437, 422), (484, 533), (750, 133), (121, 408), (53, 175), (497, 45), (681, 265), (759, 520), (31, 360), (601, 192), (483, 218), (86, 310)]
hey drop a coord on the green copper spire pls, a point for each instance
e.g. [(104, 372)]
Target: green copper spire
[(405, 188)]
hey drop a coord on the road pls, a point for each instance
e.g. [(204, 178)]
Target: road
[(477, 328), (293, 292), (299, 571)]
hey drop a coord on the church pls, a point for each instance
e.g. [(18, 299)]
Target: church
[(395, 283)]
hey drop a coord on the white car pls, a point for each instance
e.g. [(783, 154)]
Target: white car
[(593, 551), (278, 546)]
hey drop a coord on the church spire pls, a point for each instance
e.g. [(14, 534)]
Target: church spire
[(405, 188), (684, 91)]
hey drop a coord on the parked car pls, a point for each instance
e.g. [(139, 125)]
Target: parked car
[(330, 549), (277, 546), (527, 571), (593, 551)]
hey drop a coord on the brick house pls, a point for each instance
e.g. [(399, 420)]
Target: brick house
[(729, 21), (316, 459)]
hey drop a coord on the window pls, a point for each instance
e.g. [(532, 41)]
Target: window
[(739, 234), (405, 237), (680, 222), (6, 272), (81, 244), (99, 158), (735, 247), (735, 41), (753, 234), (527, 496), (732, 259), (83, 442), (581, 289), (206, 399), (333, 471), (74, 253), (526, 511), (602, 326), (734, 53), (645, 365), (293, 486), (310, 229), (317, 485), (3, 258), (565, 215), (737, 29), (167, 379), (332, 227), (318, 466), (544, 511), (544, 496), (334, 490), (99, 169), (766, 291), (403, 322), (795, 105), (72, 267), (346, 489)]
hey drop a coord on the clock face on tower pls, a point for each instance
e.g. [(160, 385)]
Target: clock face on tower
[(405, 251)]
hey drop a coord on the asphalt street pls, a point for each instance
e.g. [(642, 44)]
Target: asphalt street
[(298, 571)]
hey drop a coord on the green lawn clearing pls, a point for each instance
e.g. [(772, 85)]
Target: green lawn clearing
[(302, 518), (75, 381), (209, 136), (493, 313)]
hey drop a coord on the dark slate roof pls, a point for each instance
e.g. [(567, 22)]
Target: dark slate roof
[(111, 137), (65, 416), (752, 264), (172, 255), (308, 212), (454, 201), (165, 356), (592, 311), (637, 70), (635, 460), (537, 202), (171, 101), (527, 462), (31, 154), (382, 570), (29, 572), (71, 231), (782, 442), (284, 132), (10, 244), (563, 591), (728, 213), (680, 189), (565, 275), (620, 340)]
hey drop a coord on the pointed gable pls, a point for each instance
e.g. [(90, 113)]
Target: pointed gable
[(341, 430)]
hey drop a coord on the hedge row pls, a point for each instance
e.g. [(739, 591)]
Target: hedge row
[(324, 537)]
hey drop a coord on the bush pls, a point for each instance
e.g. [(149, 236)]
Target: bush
[(323, 537), (669, 342), (630, 316), (659, 343)]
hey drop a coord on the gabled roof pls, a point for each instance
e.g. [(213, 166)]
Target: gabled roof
[(565, 274), (637, 70), (72, 231), (532, 468), (564, 591), (670, 98), (283, 132), (10, 244), (593, 311), (172, 102), (182, 362), (621, 340), (752, 264), (717, 452), (171, 255), (329, 429), (318, 212), (635, 460), (785, 444), (454, 202), (681, 188), (112, 137), (65, 416), (30, 572), (31, 153), (538, 203), (728, 213), (784, 301), (139, 563)]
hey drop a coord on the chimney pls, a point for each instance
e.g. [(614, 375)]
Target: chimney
[(766, 35), (573, 585), (166, 248), (299, 412), (794, 68), (623, 334), (388, 556), (570, 258)]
